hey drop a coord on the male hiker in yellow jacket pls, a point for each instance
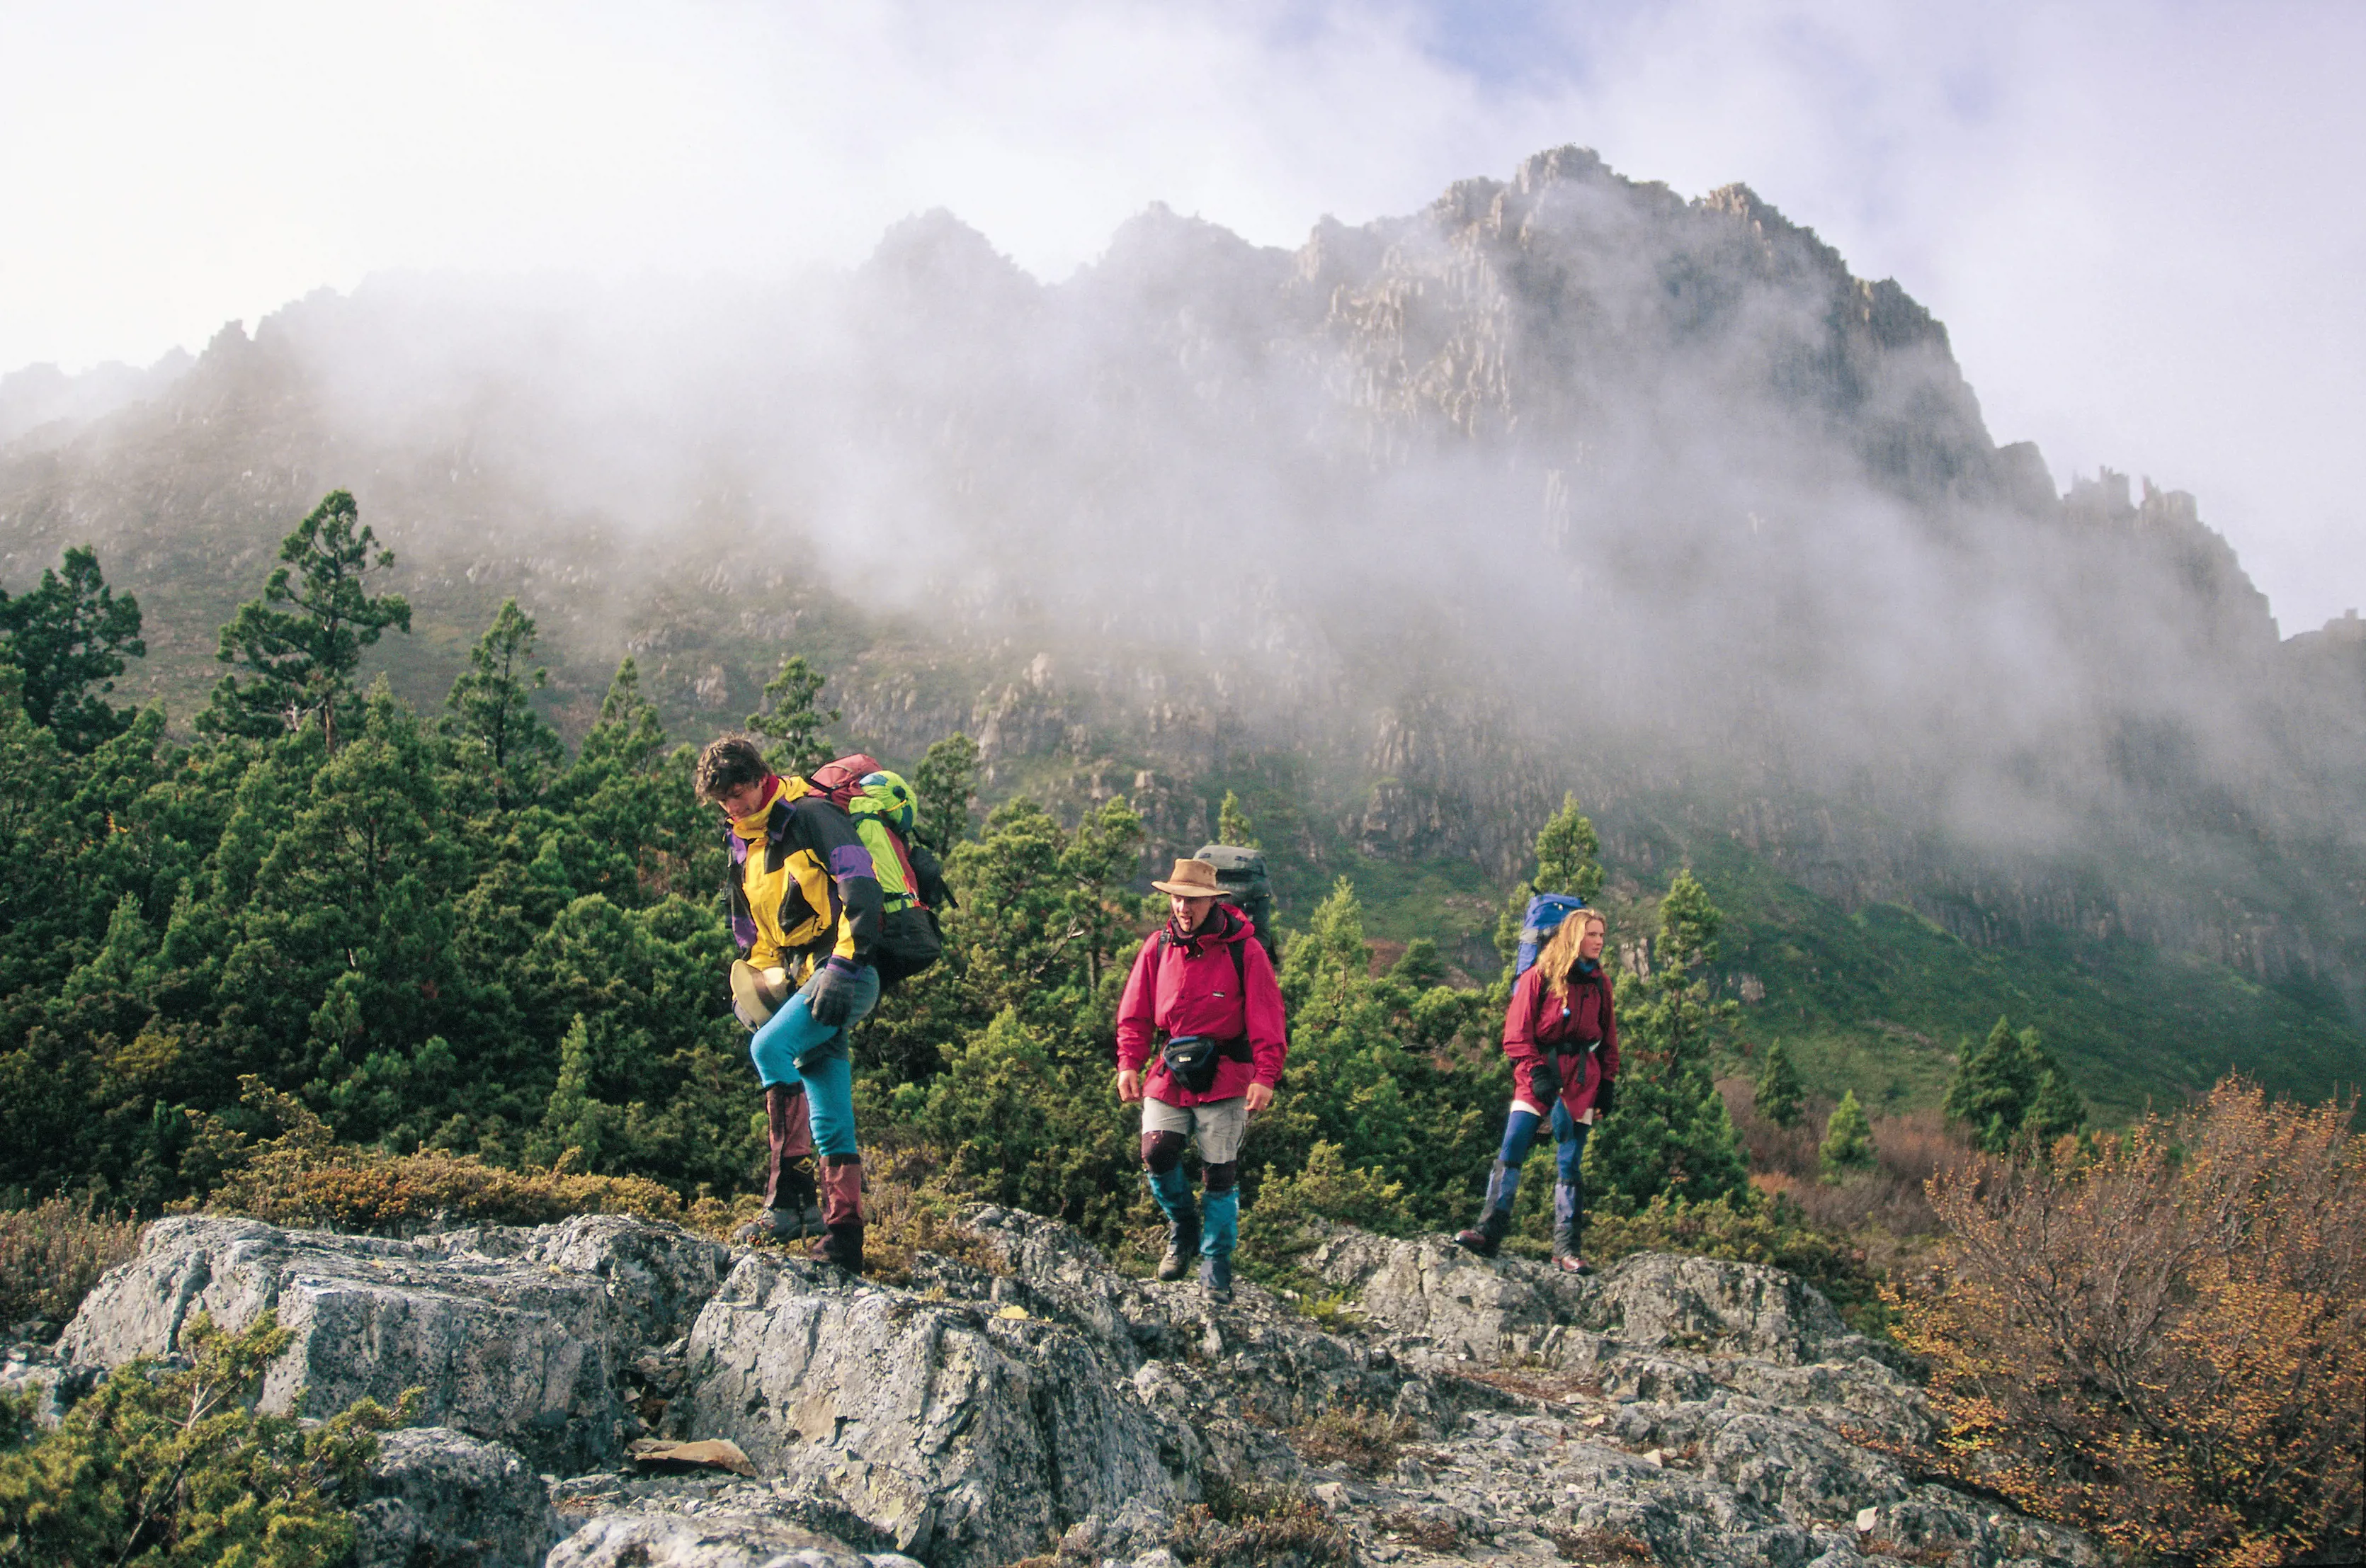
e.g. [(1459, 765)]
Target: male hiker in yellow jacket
[(805, 901)]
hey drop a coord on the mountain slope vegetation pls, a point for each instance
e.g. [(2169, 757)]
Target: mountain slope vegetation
[(1563, 483)]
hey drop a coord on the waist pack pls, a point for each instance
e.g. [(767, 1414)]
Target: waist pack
[(1192, 1059)]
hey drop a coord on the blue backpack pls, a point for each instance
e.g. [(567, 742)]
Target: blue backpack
[(1546, 912)]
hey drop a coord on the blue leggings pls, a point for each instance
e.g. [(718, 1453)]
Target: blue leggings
[(1520, 1135), (794, 1048)]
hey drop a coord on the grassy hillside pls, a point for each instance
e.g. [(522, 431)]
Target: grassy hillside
[(1878, 999)]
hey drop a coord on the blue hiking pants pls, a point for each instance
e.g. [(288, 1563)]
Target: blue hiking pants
[(794, 1048)]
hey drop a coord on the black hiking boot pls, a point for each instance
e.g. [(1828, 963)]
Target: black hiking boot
[(776, 1225), (1182, 1246), (1216, 1278), (842, 1244)]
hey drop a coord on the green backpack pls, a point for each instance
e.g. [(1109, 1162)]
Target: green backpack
[(882, 809), (910, 881)]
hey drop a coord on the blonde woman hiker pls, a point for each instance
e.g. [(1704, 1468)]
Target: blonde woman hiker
[(1561, 1033), (805, 908), (1206, 985)]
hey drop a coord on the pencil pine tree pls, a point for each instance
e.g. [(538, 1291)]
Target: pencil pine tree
[(298, 663)]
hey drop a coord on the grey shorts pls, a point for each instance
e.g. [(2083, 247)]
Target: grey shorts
[(1221, 1125)]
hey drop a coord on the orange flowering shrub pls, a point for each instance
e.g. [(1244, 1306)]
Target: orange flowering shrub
[(2161, 1337)]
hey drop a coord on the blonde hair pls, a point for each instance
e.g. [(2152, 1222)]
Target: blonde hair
[(1559, 960)]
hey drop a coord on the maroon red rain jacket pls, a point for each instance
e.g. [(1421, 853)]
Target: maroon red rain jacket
[(1173, 991), (1535, 1019)]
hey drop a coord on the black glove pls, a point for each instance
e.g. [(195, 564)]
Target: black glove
[(1544, 1081), (830, 998), (1605, 1094)]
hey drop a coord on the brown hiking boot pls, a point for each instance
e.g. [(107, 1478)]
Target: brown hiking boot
[(841, 1212), (1487, 1238)]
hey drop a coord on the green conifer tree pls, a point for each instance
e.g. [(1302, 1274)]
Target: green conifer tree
[(2057, 1112), (1999, 1084), (1359, 1080), (491, 706), (637, 833), (1567, 861), (627, 732), (68, 636), (946, 782), (1669, 1131), (1421, 966), (1043, 912), (1102, 857), (1848, 1140), (1780, 1094), (794, 722), (575, 1123), (300, 661), (1233, 824)]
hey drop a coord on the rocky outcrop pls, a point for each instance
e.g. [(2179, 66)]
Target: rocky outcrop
[(1678, 1408), (952, 1426), (709, 1538), (520, 1337)]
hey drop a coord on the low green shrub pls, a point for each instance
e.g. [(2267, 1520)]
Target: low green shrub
[(1366, 1441), (1329, 1188), (163, 1469), (1258, 1526)]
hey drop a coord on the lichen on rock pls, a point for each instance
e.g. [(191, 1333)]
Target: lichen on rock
[(1677, 1409)]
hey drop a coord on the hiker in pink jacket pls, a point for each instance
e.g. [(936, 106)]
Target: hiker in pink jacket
[(1561, 1033), (1205, 986)]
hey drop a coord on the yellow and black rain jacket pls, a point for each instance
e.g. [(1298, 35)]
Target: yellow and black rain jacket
[(802, 885)]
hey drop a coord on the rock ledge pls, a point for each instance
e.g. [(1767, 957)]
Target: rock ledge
[(1692, 1411)]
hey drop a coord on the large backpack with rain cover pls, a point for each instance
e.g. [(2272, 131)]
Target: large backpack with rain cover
[(1241, 873), (912, 884), (1546, 912)]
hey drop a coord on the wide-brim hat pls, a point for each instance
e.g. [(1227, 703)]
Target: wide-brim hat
[(756, 996), (1192, 879)]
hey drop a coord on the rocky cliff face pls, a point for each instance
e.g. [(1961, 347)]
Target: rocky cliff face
[(1673, 1409)]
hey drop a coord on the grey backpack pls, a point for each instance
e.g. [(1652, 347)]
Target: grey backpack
[(1241, 873)]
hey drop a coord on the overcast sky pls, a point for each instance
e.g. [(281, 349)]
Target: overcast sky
[(2141, 222)]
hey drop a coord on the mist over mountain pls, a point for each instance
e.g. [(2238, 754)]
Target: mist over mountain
[(1563, 482)]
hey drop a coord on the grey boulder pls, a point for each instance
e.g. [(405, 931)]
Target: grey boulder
[(969, 1432), (441, 1497), (709, 1538)]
